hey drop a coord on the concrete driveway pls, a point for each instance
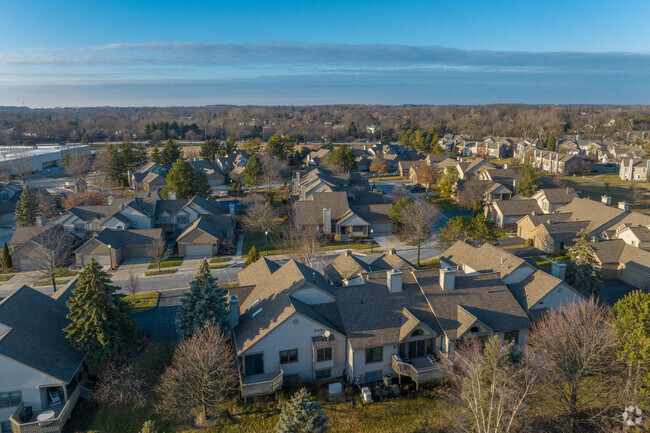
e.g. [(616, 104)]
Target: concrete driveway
[(21, 279)]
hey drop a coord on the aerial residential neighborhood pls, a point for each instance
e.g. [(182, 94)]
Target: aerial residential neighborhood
[(314, 217)]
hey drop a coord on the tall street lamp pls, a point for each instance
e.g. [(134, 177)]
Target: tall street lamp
[(266, 241), (110, 256), (372, 239)]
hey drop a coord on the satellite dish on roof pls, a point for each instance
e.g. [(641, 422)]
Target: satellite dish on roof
[(326, 334)]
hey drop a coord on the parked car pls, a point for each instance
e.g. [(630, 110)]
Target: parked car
[(417, 188)]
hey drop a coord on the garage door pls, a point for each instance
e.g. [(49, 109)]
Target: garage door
[(382, 227), (198, 250), (102, 259), (135, 252), (27, 265), (636, 278)]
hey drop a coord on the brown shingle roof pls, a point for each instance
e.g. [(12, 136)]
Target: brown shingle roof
[(344, 267), (310, 212), (599, 215)]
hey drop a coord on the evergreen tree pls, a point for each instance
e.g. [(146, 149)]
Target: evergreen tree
[(583, 272), (201, 184), (205, 302), (6, 258), (476, 210), (140, 154), (171, 152), (26, 209), (128, 156), (114, 166), (229, 147), (149, 427), (447, 183), (551, 143), (452, 232), (341, 158), (155, 156), (100, 322), (180, 179), (301, 414), (395, 212), (253, 171), (253, 256), (210, 148), (481, 229), (530, 180)]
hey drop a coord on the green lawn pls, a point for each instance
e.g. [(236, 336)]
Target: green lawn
[(169, 262), (513, 247), (542, 263), (6, 277), (220, 259), (60, 273), (257, 239), (162, 272), (445, 204), (44, 283), (349, 246), (228, 285), (388, 178), (430, 264), (143, 301)]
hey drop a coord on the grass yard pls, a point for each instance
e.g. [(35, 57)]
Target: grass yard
[(169, 262), (388, 178), (220, 259), (430, 264), (593, 187), (60, 273), (6, 277), (257, 239), (143, 301), (228, 285), (513, 247), (349, 246), (162, 272), (445, 204), (44, 283), (542, 263)]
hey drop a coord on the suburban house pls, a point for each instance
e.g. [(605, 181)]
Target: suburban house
[(39, 370), (234, 162), (119, 213), (552, 236), (599, 215), (550, 199), (619, 260), (636, 235), (319, 180), (381, 322), (330, 212), (31, 246), (471, 168), (148, 177), (620, 151), (348, 267), (204, 235), (551, 161), (211, 170), (174, 216), (111, 247), (634, 169), (9, 196), (315, 157), (501, 183), (506, 213)]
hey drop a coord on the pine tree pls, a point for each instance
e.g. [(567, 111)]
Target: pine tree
[(180, 179), (530, 180), (201, 185), (253, 256), (583, 272), (205, 302), (476, 210), (26, 209), (6, 258), (114, 165), (101, 325), (301, 414), (253, 171)]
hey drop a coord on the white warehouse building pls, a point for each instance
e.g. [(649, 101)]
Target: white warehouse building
[(17, 159)]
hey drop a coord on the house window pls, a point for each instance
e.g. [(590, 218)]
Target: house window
[(374, 354), (324, 354), (10, 399), (323, 374), (94, 227), (287, 356), (512, 336), (373, 376)]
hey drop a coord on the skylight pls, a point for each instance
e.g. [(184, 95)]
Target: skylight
[(254, 302), (257, 312)]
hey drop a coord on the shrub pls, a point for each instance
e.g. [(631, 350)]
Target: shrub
[(529, 242)]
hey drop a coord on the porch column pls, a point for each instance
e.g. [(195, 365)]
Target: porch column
[(65, 394)]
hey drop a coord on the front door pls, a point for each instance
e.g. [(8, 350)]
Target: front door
[(254, 364)]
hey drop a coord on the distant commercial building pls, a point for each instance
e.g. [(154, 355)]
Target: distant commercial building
[(18, 159)]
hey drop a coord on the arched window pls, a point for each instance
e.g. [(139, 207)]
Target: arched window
[(474, 329), (416, 333)]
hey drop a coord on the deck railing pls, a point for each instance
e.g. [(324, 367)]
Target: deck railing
[(54, 425), (264, 387), (438, 371)]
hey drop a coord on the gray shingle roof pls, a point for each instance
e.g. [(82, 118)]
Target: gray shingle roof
[(599, 215), (485, 258), (344, 267), (257, 272), (533, 288), (517, 207), (36, 337), (310, 212)]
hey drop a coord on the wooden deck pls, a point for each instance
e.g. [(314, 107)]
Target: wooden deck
[(421, 370), (261, 384)]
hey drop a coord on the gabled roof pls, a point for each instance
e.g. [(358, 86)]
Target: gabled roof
[(533, 288), (516, 207), (344, 267), (24, 234), (556, 195), (409, 323), (124, 238), (599, 215), (486, 258), (483, 297), (205, 225), (563, 231), (310, 212), (390, 260), (257, 272), (35, 336)]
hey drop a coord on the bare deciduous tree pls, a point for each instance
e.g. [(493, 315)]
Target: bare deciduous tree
[(417, 218), (272, 169), (88, 197), (121, 384), (158, 251), (379, 165), (261, 217), (53, 251), (304, 244), (493, 387), (202, 374), (78, 166), (470, 191), (581, 377), (427, 176), (133, 284)]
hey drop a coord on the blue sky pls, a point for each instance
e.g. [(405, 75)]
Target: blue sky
[(87, 53)]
